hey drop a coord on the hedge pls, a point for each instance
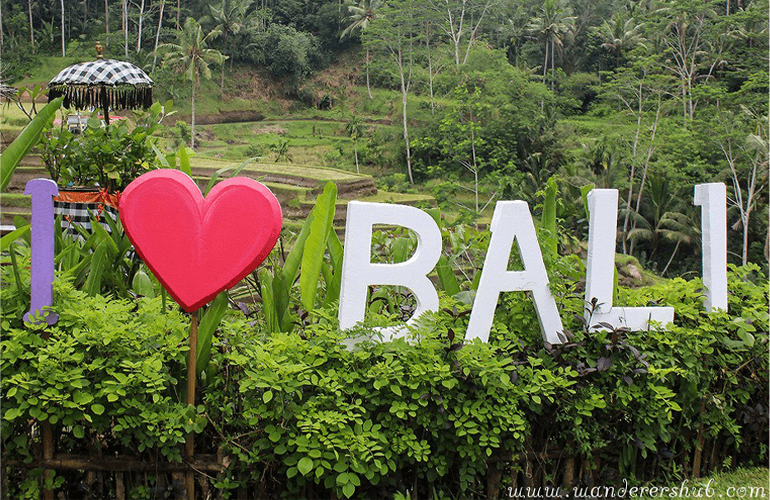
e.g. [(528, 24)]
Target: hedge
[(296, 415)]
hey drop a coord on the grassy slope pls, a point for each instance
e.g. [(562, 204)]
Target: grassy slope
[(735, 484), (315, 137)]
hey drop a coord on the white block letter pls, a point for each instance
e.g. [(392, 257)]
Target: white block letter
[(358, 272), (712, 198), (512, 219), (600, 269)]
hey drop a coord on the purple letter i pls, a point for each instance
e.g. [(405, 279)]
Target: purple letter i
[(43, 246)]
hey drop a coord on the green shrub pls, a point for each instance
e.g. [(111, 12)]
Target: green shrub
[(295, 414), (105, 377), (108, 157)]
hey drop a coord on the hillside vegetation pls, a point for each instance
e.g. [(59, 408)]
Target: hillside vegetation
[(469, 102)]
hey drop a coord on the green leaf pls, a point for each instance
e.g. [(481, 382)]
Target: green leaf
[(267, 397), (12, 414), (78, 431), (348, 490), (99, 262), (18, 149), (209, 323), (142, 284), (236, 171), (315, 245), (446, 277), (184, 160), (97, 408), (549, 217), (336, 253), (281, 301), (9, 238), (291, 266), (584, 190), (15, 267), (161, 157), (268, 301), (305, 465)]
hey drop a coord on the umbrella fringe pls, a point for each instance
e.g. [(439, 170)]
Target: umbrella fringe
[(91, 96)]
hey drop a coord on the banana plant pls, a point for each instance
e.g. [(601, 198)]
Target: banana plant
[(446, 276), (18, 149), (316, 238), (549, 217)]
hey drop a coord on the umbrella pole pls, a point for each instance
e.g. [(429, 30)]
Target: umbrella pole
[(106, 107)]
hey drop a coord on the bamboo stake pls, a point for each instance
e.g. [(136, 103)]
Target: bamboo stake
[(190, 442), (47, 455), (47, 444)]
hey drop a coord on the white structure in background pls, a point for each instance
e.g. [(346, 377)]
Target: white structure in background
[(511, 221), (600, 269), (358, 271), (712, 198)]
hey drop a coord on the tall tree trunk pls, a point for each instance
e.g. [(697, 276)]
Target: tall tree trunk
[(222, 78), (139, 33), (125, 26), (745, 253), (663, 273), (178, 12), (650, 151), (1, 34), (430, 80), (368, 88), (553, 63), (404, 94), (63, 51), (157, 35), (31, 28), (633, 168), (192, 139), (107, 21), (545, 64)]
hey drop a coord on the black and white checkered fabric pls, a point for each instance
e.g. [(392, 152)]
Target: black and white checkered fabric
[(102, 72), (77, 213)]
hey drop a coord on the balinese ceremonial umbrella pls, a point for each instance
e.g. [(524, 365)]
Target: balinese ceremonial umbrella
[(103, 83)]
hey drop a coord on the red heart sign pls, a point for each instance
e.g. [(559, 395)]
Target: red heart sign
[(198, 247)]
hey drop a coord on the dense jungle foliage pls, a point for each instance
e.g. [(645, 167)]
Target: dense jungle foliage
[(484, 100), (649, 97)]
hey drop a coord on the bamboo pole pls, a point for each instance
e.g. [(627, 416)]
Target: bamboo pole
[(190, 442), (47, 444), (47, 455), (205, 463)]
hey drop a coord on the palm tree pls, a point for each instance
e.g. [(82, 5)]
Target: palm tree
[(230, 17), (191, 57), (620, 34), (515, 30), (554, 22), (360, 17), (355, 129), (651, 218)]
